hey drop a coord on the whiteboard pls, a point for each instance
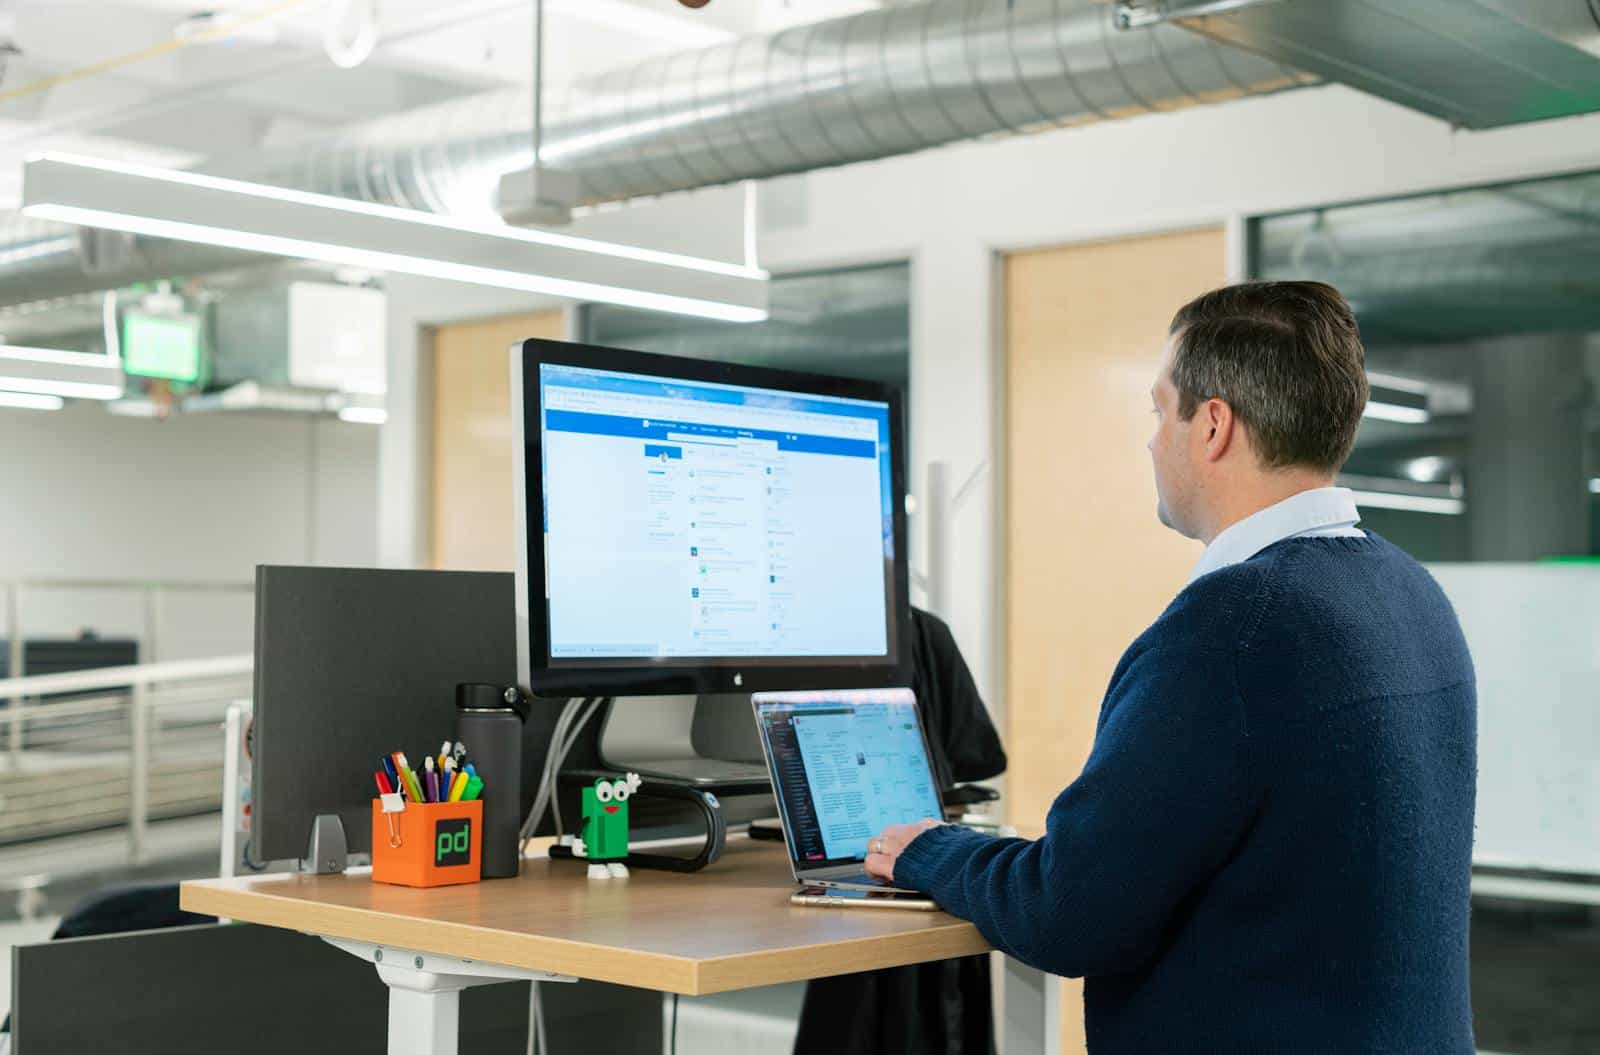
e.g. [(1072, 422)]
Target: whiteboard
[(1534, 631)]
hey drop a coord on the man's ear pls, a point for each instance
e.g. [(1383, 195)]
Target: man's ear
[(1218, 428)]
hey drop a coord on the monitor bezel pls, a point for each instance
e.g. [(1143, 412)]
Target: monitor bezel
[(688, 675)]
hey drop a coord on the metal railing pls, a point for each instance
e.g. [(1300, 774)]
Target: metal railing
[(153, 595), (114, 747)]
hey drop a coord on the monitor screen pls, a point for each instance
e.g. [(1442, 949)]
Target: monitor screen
[(693, 521), (845, 766)]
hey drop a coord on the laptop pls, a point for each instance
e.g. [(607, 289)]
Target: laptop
[(845, 765)]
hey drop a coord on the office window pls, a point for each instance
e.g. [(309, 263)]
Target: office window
[(1480, 455)]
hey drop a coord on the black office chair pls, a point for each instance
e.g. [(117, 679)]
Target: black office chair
[(123, 910)]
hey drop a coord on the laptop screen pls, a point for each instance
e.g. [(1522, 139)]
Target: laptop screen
[(845, 766)]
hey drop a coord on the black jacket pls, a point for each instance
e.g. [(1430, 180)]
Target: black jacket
[(943, 1007)]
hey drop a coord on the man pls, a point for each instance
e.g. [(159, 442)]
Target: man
[(1269, 847)]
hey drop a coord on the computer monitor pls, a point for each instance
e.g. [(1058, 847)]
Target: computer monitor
[(687, 526)]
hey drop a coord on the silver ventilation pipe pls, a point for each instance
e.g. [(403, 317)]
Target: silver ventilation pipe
[(879, 84), (874, 85)]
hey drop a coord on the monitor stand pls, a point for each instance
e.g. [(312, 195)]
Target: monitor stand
[(701, 741), (662, 739)]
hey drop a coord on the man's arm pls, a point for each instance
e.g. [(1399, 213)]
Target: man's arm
[(1163, 800)]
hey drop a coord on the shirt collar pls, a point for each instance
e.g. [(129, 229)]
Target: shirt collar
[(1320, 511)]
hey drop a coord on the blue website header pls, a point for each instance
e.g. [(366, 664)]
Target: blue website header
[(655, 429)]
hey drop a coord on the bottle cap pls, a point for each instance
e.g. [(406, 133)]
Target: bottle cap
[(478, 696)]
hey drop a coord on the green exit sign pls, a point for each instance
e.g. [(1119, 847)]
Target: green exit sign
[(161, 346)]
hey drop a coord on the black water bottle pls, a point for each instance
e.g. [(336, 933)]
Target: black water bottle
[(489, 721)]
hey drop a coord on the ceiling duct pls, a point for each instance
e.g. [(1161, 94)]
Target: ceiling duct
[(890, 81), (886, 82), (1475, 63)]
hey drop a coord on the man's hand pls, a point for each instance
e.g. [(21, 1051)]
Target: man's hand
[(885, 849)]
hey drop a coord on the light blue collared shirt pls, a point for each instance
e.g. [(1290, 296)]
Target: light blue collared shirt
[(1323, 512)]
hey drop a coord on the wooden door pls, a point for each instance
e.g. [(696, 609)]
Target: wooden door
[(472, 525), (1088, 565)]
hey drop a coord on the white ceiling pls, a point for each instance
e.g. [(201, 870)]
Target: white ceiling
[(113, 78)]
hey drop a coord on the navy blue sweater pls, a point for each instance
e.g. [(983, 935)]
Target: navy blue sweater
[(1269, 848)]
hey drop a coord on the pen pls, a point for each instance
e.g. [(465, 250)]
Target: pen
[(384, 788), (444, 753), (430, 779), (386, 765)]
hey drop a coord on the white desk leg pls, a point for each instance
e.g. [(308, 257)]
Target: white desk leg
[(1031, 1023), (424, 1011), (425, 992)]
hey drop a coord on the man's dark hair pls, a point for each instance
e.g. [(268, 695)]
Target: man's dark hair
[(1287, 357)]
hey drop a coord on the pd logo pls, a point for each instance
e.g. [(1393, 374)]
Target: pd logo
[(452, 842)]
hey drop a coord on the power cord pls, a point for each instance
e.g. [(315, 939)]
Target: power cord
[(674, 1049), (575, 715)]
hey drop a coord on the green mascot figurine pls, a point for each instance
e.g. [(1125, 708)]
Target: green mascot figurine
[(604, 839)]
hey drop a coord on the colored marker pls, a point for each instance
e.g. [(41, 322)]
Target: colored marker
[(384, 787), (408, 776), (458, 787), (474, 788)]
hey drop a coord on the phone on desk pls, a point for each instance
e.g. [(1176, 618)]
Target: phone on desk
[(839, 897)]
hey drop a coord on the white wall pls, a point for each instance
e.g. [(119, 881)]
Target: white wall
[(951, 211), (85, 495)]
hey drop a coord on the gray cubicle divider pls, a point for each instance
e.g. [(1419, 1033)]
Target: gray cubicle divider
[(241, 989), (352, 663)]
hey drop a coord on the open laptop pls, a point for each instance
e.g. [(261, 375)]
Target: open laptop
[(845, 764)]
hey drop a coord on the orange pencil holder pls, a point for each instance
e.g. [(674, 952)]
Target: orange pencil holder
[(426, 843)]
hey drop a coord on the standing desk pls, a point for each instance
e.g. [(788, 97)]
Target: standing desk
[(729, 926)]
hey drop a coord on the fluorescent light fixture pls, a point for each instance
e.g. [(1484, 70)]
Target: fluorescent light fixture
[(1398, 399), (31, 401), (1410, 503), (191, 207), (1391, 412), (1426, 469), (364, 415), (73, 375), (132, 408), (1594, 485)]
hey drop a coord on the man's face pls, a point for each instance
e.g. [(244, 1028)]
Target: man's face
[(1171, 455)]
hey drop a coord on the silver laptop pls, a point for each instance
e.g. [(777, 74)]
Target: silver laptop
[(845, 765)]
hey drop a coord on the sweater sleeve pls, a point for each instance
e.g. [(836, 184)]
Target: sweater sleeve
[(1162, 801)]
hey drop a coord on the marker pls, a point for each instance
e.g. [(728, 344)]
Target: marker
[(408, 776), (430, 779), (386, 764), (474, 788), (384, 787), (469, 770), (444, 753), (458, 787)]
